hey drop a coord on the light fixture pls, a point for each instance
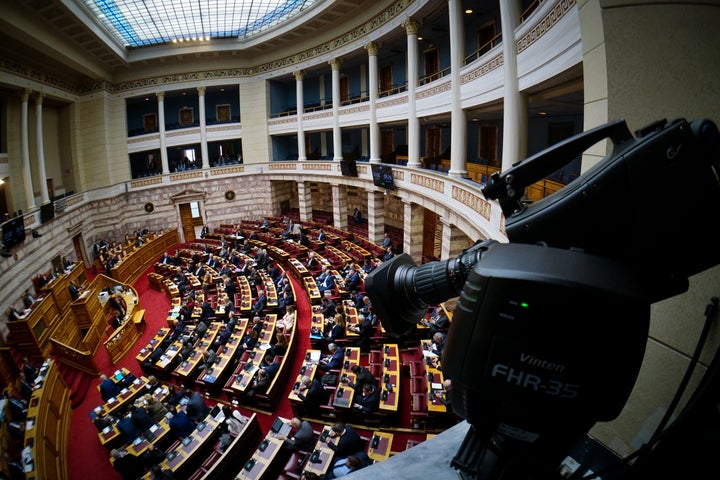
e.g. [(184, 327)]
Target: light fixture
[(2, 181), (468, 11)]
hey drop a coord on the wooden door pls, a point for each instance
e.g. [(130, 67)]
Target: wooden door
[(386, 79), (188, 225), (387, 142), (432, 139), (432, 64), (344, 89), (50, 188)]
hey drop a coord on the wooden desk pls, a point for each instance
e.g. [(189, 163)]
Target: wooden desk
[(267, 458), (47, 424), (145, 352), (211, 379), (125, 397), (299, 270), (238, 449), (323, 453), (391, 375), (435, 387), (384, 445), (312, 289), (308, 368), (187, 455), (160, 431)]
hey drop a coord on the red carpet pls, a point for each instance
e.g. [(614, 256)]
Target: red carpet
[(88, 459)]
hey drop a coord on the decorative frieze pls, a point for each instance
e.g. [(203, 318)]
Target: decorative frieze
[(476, 203)]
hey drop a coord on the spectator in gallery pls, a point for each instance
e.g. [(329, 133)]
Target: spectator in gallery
[(357, 215)]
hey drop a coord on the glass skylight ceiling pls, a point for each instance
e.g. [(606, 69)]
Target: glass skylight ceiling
[(141, 23)]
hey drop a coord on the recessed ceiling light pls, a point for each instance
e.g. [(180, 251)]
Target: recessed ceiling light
[(542, 113), (468, 11)]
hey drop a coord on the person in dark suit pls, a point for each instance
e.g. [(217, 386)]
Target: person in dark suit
[(312, 394), (302, 436), (270, 366), (74, 290), (348, 443), (333, 361), (321, 236), (127, 464), (181, 424), (352, 279), (326, 281), (127, 429), (369, 401), (140, 417), (196, 407), (365, 330), (362, 377), (260, 303), (108, 388), (166, 259), (205, 230), (327, 307)]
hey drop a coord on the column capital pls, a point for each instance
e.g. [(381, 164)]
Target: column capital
[(335, 63), (372, 49), (160, 96), (25, 94), (201, 91), (299, 75), (411, 26), (39, 97)]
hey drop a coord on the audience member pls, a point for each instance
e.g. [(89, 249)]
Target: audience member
[(108, 388), (196, 407), (127, 464), (362, 376), (349, 440), (312, 394), (155, 408), (369, 401), (181, 425), (287, 322), (333, 361), (327, 307), (301, 437)]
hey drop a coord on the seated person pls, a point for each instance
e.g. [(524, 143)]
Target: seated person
[(287, 322), (326, 280), (196, 407), (334, 360), (369, 401), (362, 377), (140, 416), (327, 307), (302, 436), (108, 388), (437, 320), (127, 465), (349, 440), (259, 383), (312, 393), (181, 425), (342, 467)]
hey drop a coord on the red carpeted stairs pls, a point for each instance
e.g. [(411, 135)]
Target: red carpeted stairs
[(78, 381)]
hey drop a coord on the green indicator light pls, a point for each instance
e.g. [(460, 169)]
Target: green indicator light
[(524, 304)]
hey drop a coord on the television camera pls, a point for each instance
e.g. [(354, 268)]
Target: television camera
[(550, 329)]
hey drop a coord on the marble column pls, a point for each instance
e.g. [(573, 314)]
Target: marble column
[(514, 142), (337, 135), (26, 171), (203, 129), (340, 207), (458, 127), (413, 225), (411, 29), (299, 75), (161, 130), (376, 215), (305, 204), (372, 49), (39, 144), (454, 241)]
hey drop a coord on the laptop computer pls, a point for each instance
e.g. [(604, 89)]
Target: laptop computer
[(280, 428)]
